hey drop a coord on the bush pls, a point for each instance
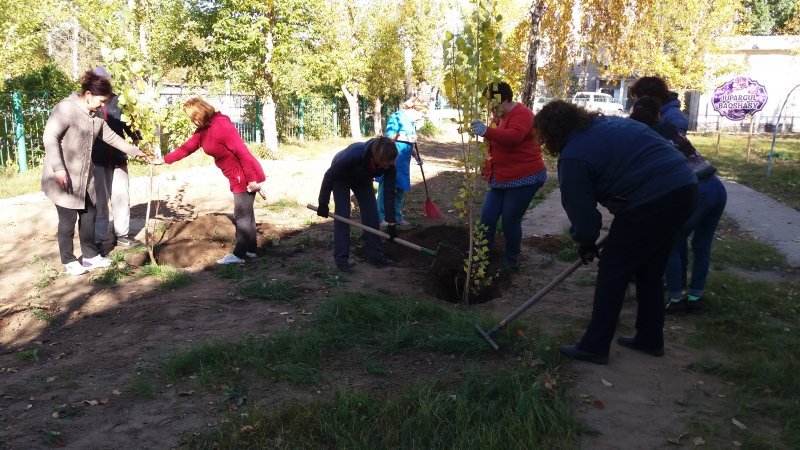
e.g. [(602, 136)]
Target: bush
[(427, 129), (49, 79)]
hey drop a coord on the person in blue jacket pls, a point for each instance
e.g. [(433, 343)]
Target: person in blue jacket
[(401, 127), (711, 201), (650, 190), (353, 169), (670, 105)]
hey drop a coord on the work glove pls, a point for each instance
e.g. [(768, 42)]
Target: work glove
[(391, 230), (587, 252), (323, 211), (478, 128)]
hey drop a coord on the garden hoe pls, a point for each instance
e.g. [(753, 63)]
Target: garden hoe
[(531, 301), (416, 247)]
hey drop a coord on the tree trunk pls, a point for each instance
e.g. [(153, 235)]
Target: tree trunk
[(352, 104), (408, 84), (268, 109), (531, 72), (269, 122), (376, 116)]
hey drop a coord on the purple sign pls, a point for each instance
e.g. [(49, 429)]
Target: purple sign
[(740, 97)]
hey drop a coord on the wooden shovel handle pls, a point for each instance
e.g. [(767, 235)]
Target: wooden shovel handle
[(376, 232)]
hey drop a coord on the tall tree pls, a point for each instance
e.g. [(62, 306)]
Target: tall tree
[(769, 17)]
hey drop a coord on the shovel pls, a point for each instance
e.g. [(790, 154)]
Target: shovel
[(380, 233), (487, 335)]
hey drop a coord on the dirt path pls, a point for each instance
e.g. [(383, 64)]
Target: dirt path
[(91, 340)]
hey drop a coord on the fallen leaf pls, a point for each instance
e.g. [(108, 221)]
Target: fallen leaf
[(186, 393), (606, 383), (90, 402), (285, 313), (520, 332), (740, 425), (597, 404), (698, 441), (537, 362), (116, 392), (51, 379), (737, 444), (104, 401), (289, 320)]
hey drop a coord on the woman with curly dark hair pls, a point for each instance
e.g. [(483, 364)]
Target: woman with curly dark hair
[(648, 187)]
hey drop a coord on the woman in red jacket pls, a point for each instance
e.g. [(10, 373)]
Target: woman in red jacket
[(514, 169), (219, 139)]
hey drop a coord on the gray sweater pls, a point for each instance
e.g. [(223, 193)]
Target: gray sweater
[(68, 136)]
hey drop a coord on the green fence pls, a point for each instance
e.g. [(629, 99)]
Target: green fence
[(24, 114), (22, 119)]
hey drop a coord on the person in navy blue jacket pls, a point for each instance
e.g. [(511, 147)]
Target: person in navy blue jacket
[(353, 169), (646, 184), (670, 105)]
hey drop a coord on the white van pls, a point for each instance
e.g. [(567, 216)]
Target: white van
[(598, 101)]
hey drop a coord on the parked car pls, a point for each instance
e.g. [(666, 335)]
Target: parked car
[(539, 103), (598, 101)]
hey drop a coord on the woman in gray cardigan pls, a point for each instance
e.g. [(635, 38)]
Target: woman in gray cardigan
[(67, 173)]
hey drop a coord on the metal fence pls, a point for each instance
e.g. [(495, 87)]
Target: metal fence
[(22, 119)]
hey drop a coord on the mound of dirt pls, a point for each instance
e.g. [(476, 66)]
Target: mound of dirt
[(202, 241)]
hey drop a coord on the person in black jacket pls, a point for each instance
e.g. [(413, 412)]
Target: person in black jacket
[(353, 169), (111, 176)]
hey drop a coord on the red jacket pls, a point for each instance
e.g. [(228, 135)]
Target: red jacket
[(221, 141), (514, 150)]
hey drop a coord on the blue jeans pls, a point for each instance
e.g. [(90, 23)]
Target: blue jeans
[(509, 204), (711, 199), (365, 196), (398, 203)]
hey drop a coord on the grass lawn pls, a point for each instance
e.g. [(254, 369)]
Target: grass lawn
[(732, 163)]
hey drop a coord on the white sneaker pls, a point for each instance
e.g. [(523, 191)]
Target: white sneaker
[(383, 224), (250, 255), (75, 268), (97, 262), (230, 258)]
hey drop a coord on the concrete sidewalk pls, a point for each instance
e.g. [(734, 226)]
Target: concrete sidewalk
[(760, 216)]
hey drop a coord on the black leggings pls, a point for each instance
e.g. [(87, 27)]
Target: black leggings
[(245, 223)]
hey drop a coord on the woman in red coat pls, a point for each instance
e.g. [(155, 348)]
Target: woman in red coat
[(219, 139), (514, 169)]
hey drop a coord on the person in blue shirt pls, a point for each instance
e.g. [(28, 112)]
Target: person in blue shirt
[(353, 169), (650, 190), (401, 127)]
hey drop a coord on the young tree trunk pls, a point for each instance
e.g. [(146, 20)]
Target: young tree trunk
[(531, 73), (352, 104), (376, 116)]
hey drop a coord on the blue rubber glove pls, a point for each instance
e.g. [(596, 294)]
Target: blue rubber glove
[(478, 127)]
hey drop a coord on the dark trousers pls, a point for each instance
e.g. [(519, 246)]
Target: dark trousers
[(638, 244), (245, 219), (66, 231), (365, 196)]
